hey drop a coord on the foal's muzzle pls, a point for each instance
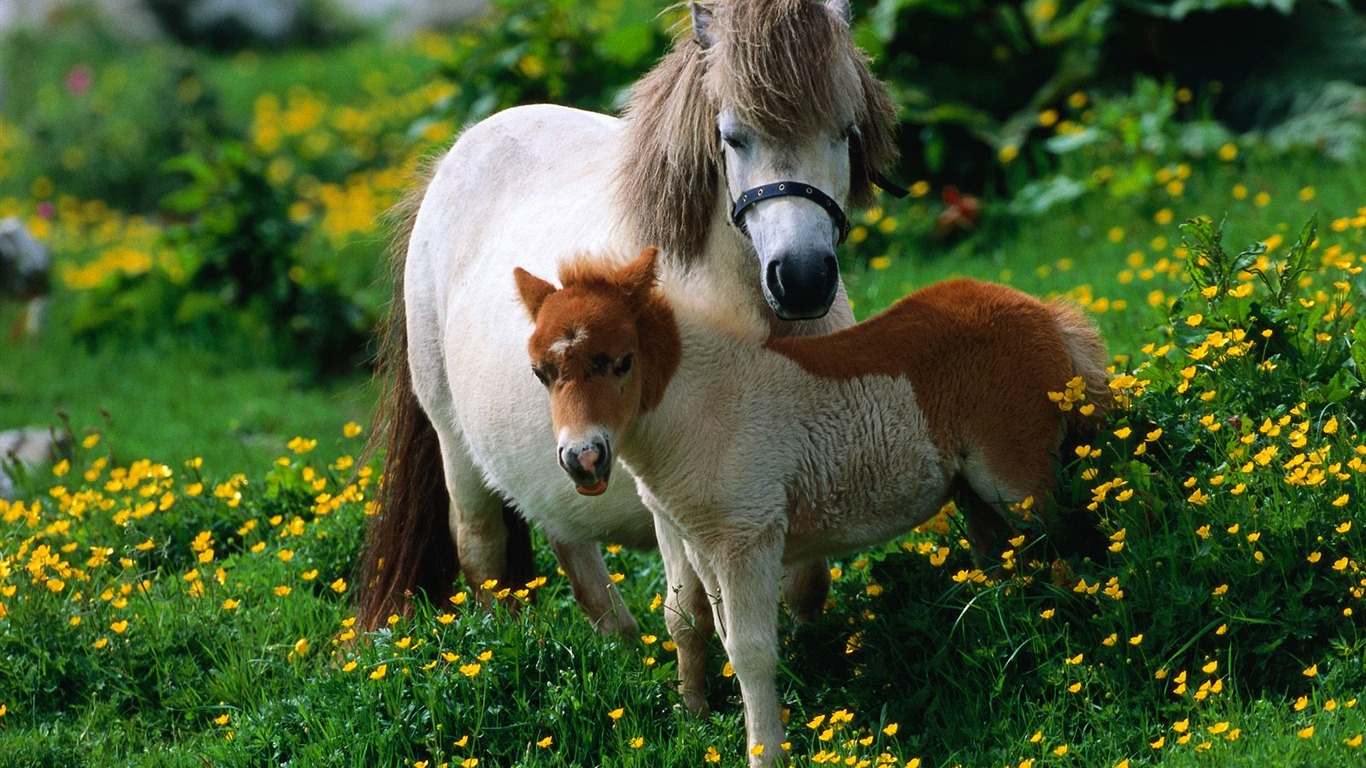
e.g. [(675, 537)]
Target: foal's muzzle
[(589, 464)]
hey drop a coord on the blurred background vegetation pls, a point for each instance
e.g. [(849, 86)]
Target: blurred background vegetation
[(216, 183)]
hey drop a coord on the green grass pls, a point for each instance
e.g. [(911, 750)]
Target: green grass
[(162, 611), (169, 401), (970, 673)]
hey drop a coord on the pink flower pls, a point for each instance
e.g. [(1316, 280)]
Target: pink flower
[(45, 210), (78, 79)]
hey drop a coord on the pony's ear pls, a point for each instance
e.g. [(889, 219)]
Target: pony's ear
[(638, 278), (841, 9), (532, 290), (701, 24)]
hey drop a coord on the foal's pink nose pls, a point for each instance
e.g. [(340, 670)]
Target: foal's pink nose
[(588, 460)]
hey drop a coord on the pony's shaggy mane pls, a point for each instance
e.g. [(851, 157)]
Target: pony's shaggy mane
[(788, 68)]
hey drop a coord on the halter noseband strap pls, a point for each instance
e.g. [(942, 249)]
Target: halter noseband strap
[(782, 189)]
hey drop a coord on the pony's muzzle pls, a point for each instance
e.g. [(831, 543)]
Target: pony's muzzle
[(589, 464), (801, 287)]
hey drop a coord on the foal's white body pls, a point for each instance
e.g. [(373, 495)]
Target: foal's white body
[(526, 187), (749, 463), (755, 452)]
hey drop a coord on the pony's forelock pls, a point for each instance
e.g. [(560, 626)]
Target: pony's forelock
[(788, 68)]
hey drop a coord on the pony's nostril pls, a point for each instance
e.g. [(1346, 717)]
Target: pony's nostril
[(773, 279), (832, 273)]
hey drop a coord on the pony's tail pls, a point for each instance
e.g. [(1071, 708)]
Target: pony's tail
[(408, 545), (1089, 360)]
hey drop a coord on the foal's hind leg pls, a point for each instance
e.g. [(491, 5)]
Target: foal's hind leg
[(805, 588)]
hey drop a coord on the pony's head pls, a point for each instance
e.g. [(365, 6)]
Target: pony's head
[(770, 106), (604, 346)]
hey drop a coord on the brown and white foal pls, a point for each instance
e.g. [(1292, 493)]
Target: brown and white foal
[(753, 450)]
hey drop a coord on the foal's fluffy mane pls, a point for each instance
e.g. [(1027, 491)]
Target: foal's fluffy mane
[(692, 306), (788, 68)]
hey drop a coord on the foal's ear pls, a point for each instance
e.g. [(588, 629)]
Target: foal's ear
[(532, 290), (638, 278)]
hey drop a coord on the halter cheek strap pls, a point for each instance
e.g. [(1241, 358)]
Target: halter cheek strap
[(785, 188)]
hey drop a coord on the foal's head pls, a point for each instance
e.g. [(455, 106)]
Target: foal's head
[(604, 346)]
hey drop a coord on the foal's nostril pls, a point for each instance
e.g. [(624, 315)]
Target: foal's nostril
[(588, 459)]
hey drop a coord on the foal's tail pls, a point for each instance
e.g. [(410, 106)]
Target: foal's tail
[(408, 545), (1089, 361)]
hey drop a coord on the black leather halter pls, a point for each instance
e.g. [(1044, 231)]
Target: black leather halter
[(782, 189)]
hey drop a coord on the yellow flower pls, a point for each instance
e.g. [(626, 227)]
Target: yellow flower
[(230, 604), (546, 742), (352, 429), (616, 713), (301, 647), (1313, 671), (119, 627), (379, 672), (1305, 733), (890, 730), (338, 586), (637, 742), (471, 669)]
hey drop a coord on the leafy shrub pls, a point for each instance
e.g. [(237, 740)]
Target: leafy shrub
[(234, 273), (525, 51), (976, 79)]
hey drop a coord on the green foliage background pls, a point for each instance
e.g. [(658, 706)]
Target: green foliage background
[(178, 591)]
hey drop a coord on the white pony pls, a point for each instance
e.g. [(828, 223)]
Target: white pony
[(767, 117), (754, 452)]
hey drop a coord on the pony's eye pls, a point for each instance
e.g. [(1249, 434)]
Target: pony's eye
[(733, 141), (544, 373), (624, 366)]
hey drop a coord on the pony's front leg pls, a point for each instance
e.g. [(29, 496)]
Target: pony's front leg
[(749, 579), (593, 587), (687, 614)]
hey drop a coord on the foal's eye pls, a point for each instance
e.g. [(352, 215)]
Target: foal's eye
[(733, 141), (624, 365), (544, 373)]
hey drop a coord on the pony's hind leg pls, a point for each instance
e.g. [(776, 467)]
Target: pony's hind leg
[(492, 541)]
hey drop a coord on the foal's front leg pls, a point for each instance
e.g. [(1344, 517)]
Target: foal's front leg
[(688, 616), (748, 578)]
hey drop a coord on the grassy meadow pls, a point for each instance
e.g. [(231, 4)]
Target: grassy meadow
[(179, 591)]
